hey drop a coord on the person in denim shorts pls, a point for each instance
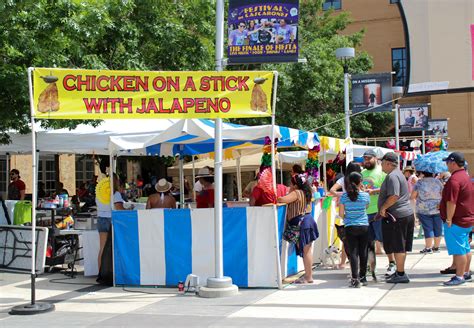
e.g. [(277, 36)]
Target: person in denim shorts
[(427, 193), (104, 216)]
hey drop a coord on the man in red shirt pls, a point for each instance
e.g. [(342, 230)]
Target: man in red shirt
[(16, 188), (457, 211)]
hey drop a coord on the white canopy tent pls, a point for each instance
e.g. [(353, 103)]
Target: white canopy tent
[(86, 139)]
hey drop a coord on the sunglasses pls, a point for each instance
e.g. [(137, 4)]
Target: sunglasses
[(241, 25)]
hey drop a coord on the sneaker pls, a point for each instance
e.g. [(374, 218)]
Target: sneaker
[(364, 281), (435, 249), (391, 269), (454, 281), (354, 283), (448, 270), (396, 279), (426, 251), (467, 276)]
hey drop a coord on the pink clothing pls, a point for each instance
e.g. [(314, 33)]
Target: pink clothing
[(411, 183)]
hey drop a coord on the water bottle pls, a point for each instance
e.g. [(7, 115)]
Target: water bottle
[(61, 201)]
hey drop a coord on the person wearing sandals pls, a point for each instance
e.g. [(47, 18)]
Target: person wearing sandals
[(427, 193), (353, 209), (301, 227)]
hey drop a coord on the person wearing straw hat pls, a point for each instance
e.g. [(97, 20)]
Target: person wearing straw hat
[(205, 198), (162, 199)]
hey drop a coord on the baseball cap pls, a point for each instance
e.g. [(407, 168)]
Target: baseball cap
[(390, 157), (370, 153), (456, 157)]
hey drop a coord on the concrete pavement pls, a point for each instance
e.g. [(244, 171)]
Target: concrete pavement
[(327, 303)]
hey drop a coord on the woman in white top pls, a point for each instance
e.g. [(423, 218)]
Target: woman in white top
[(338, 188)]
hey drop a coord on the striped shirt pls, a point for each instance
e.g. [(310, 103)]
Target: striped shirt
[(298, 207), (355, 213)]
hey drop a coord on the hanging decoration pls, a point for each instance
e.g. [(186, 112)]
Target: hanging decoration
[(333, 167), (391, 144), (266, 161), (312, 165), (436, 144)]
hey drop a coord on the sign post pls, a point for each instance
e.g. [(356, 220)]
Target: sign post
[(33, 307)]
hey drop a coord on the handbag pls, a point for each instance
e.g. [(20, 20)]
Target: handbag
[(292, 233)]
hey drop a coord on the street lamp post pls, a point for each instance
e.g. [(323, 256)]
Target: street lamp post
[(346, 54), (397, 92)]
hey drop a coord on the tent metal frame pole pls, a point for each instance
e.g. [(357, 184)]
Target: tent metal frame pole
[(281, 172), (239, 179), (194, 179), (423, 141), (111, 180), (324, 170), (181, 176)]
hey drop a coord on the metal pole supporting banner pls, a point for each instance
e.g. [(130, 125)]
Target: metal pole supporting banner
[(218, 145), (272, 137), (33, 307), (397, 127), (346, 102), (218, 286)]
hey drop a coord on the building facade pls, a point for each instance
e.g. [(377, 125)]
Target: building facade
[(384, 40)]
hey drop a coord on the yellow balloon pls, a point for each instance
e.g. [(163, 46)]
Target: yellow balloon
[(102, 191)]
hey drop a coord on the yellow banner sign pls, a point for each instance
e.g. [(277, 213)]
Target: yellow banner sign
[(94, 94)]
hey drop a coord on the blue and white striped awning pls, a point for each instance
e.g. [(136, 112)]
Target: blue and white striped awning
[(196, 136)]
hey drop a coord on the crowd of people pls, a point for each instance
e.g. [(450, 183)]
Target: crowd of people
[(380, 203)]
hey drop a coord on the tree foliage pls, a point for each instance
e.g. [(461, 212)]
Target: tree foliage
[(96, 34), (169, 35)]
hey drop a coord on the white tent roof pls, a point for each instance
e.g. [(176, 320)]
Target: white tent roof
[(86, 139)]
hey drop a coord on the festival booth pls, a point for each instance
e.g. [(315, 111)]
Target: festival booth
[(252, 236), (84, 139)]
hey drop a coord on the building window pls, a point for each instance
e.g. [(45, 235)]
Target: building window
[(334, 4), (47, 173), (84, 169), (394, 1), (399, 66)]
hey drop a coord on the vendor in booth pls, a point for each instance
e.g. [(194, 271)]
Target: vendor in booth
[(163, 198), (205, 198), (263, 192)]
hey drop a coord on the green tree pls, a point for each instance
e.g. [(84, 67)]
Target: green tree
[(96, 34)]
